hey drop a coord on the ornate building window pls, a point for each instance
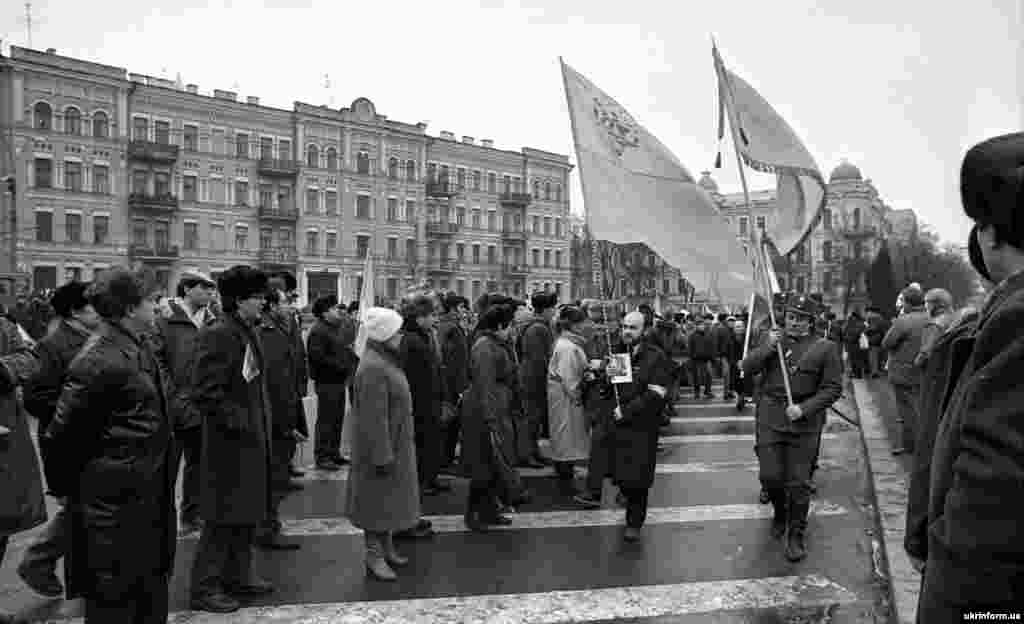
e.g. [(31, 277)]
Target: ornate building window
[(393, 168), (100, 125), (363, 162), (332, 158), (312, 156), (42, 116), (410, 170), (72, 121)]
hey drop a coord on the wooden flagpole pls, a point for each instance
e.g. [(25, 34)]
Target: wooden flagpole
[(722, 89)]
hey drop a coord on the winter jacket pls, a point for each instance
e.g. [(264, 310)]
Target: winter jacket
[(175, 342), (113, 436), (329, 351), (903, 341), (703, 346), (454, 356), (55, 351)]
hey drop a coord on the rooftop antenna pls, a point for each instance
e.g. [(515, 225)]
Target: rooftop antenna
[(28, 22)]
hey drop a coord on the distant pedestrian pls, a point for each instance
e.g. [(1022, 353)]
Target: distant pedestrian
[(903, 342), (570, 432), (331, 365)]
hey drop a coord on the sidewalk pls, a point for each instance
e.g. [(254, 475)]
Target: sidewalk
[(877, 409)]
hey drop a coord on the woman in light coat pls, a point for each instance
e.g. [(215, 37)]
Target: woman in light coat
[(383, 486), (570, 435)]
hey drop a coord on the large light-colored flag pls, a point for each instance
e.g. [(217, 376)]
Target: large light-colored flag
[(367, 299), (769, 145), (636, 190)]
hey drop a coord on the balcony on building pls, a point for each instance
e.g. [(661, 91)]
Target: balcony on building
[(157, 202), (278, 256), (858, 230), (438, 228), (150, 151), (442, 188), (513, 235), (278, 167), (153, 253), (278, 212), (515, 270), (510, 197), (443, 266)]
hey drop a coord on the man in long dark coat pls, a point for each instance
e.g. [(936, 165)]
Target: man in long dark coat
[(534, 347), (175, 340), (454, 346), (637, 419), (277, 336), (975, 554), (230, 391)]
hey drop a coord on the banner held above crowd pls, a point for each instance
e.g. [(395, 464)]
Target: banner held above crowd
[(635, 189)]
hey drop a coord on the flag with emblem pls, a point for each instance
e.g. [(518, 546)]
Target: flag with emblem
[(766, 143), (636, 190)]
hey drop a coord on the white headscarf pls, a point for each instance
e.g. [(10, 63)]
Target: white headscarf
[(381, 324)]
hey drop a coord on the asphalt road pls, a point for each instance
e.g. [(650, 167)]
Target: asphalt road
[(705, 557)]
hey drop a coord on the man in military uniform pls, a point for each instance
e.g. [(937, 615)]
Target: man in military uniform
[(787, 435)]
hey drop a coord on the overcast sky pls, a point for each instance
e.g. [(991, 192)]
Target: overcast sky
[(900, 88)]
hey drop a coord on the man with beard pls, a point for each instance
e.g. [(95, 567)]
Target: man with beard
[(637, 419), (788, 435)]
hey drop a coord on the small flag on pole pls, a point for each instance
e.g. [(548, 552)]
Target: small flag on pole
[(367, 300)]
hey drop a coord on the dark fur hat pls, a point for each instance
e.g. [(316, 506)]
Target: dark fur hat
[(241, 282)]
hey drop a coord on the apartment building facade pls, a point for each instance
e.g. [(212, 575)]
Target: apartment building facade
[(120, 167), (835, 258)]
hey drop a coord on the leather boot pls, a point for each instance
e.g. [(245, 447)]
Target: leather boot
[(796, 546), (777, 497), (391, 555), (376, 566)]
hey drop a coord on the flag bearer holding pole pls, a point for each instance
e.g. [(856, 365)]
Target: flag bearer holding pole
[(788, 431)]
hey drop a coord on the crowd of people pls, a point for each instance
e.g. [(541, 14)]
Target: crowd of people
[(129, 391)]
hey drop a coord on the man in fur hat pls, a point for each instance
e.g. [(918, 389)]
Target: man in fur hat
[(229, 390), (975, 554)]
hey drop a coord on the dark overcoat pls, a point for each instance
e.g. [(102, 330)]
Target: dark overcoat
[(283, 354), (426, 384), (454, 356), (489, 404), (175, 340), (110, 442), (21, 487), (934, 381), (975, 554), (635, 437), (235, 463)]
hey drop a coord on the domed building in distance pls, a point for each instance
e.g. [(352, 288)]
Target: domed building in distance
[(835, 258)]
